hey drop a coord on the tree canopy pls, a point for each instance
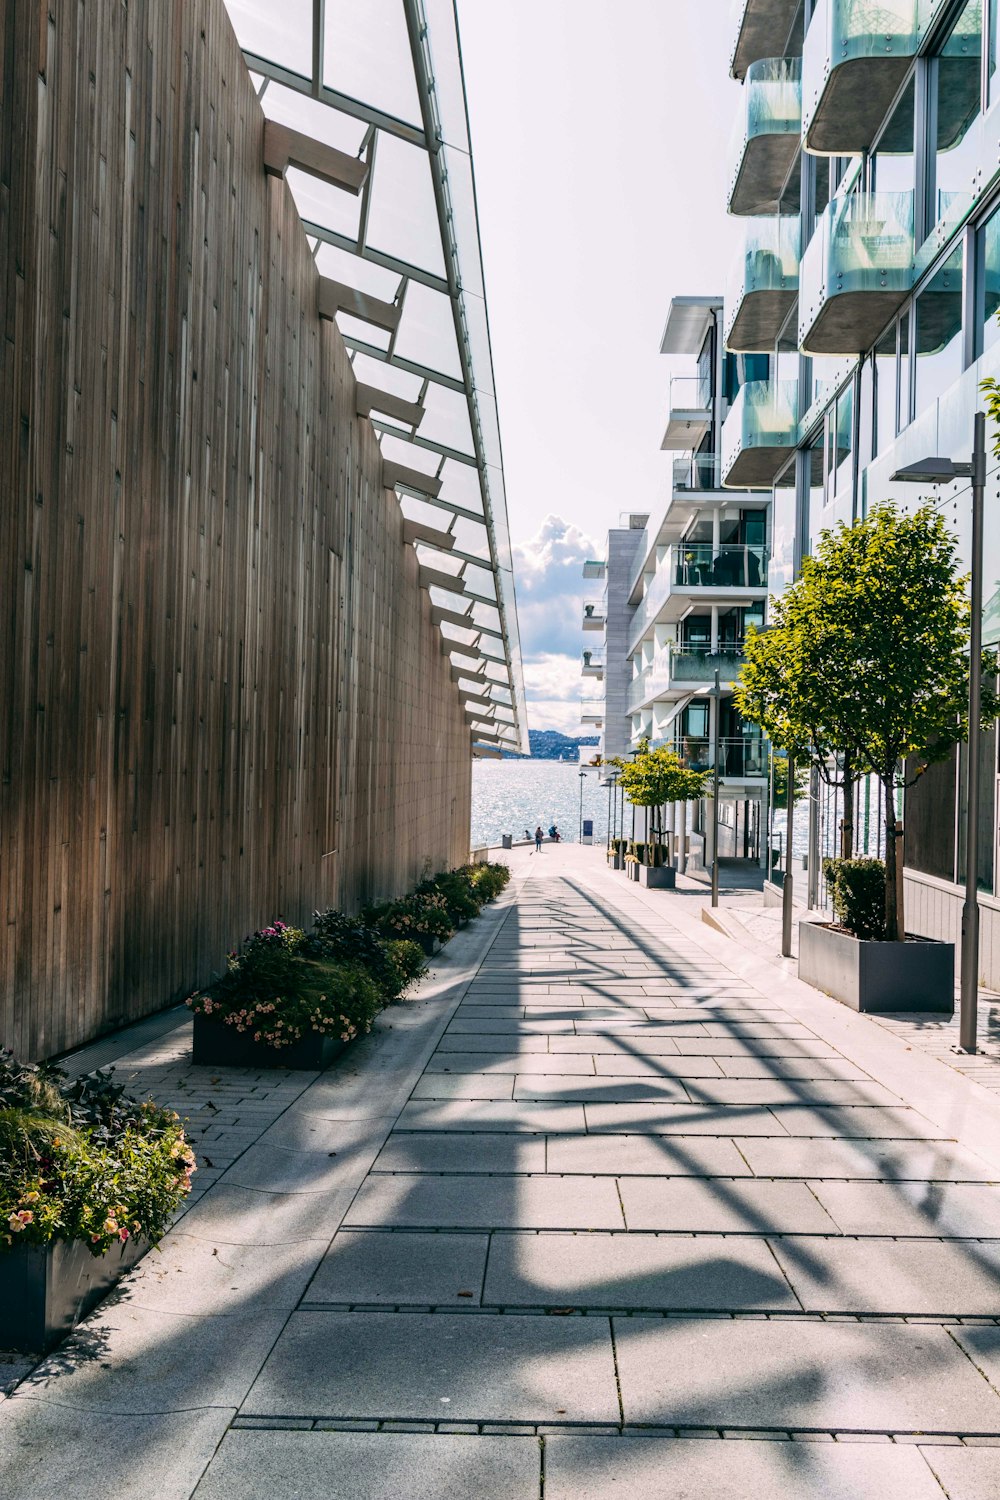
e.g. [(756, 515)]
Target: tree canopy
[(656, 777), (867, 656)]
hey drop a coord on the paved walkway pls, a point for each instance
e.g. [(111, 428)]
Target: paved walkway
[(615, 1208)]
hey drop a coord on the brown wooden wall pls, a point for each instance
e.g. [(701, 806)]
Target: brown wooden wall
[(221, 694)]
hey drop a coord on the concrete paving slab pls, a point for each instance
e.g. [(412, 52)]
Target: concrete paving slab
[(49, 1450), (511, 1062), (277, 1169), (720, 1046), (635, 1271), (464, 1086), (490, 1115), (964, 1473), (648, 1468), (617, 1064), (903, 1277), (905, 1208), (828, 1069), (465, 1368), (656, 1046), (230, 1215), (470, 1042), (930, 1161), (298, 1130), (646, 1155), (982, 1345), (607, 1088), (870, 1122), (257, 1465), (401, 1269), (741, 1206), (803, 1092), (834, 1377), (462, 1027), (455, 1152), (199, 1279), (421, 1202), (681, 1119), (128, 1359)]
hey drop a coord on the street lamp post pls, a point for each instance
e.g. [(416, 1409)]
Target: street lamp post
[(942, 471), (715, 797), (583, 777)]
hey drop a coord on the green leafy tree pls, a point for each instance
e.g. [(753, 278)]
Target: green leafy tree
[(867, 659), (654, 778)]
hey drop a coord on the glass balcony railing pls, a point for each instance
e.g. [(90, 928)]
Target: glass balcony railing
[(763, 283), (678, 666), (857, 270), (736, 566), (760, 433), (690, 393), (767, 136), (592, 710), (739, 755), (696, 471), (855, 56)]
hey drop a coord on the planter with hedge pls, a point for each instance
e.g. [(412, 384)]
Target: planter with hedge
[(851, 961), (89, 1180)]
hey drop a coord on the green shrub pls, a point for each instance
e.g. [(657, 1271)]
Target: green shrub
[(405, 963), (489, 879), (278, 988), (459, 891), (416, 916), (857, 889), (81, 1161)]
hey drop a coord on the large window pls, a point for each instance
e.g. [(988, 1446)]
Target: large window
[(938, 326), (891, 167), (956, 91), (988, 273), (886, 389)]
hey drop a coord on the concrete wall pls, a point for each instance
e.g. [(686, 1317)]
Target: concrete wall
[(222, 697)]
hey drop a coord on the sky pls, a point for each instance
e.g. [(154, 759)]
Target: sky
[(601, 141)]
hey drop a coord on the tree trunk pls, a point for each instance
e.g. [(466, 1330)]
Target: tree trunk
[(891, 909), (847, 823)]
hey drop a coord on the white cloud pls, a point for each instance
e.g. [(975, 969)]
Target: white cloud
[(550, 587)]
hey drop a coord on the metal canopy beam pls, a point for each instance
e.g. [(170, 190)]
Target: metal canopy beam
[(452, 617), (284, 148), (394, 475)]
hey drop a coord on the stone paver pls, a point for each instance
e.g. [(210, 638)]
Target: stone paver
[(606, 1204)]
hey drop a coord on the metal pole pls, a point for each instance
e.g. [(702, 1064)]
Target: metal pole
[(715, 800), (788, 884), (583, 775), (970, 911), (812, 858), (610, 785)]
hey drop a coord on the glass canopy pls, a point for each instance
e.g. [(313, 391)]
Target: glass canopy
[(371, 95)]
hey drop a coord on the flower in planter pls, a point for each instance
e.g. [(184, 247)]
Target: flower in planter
[(81, 1161)]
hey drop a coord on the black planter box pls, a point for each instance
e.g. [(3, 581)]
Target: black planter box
[(657, 877), (918, 975), (217, 1045), (617, 860), (46, 1289)]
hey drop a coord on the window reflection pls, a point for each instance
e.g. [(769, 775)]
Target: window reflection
[(885, 389), (939, 332), (957, 86)]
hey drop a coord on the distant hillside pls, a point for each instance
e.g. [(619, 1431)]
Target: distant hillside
[(549, 744)]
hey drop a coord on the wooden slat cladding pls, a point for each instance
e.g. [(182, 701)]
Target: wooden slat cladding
[(223, 697)]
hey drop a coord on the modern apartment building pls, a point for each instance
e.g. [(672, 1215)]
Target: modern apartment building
[(867, 170), (682, 585), (257, 582)]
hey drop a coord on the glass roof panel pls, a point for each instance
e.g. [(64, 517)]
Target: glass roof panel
[(403, 219), (282, 34), (358, 84), (321, 203), (446, 419), (341, 265), (313, 118), (370, 59), (427, 330)]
